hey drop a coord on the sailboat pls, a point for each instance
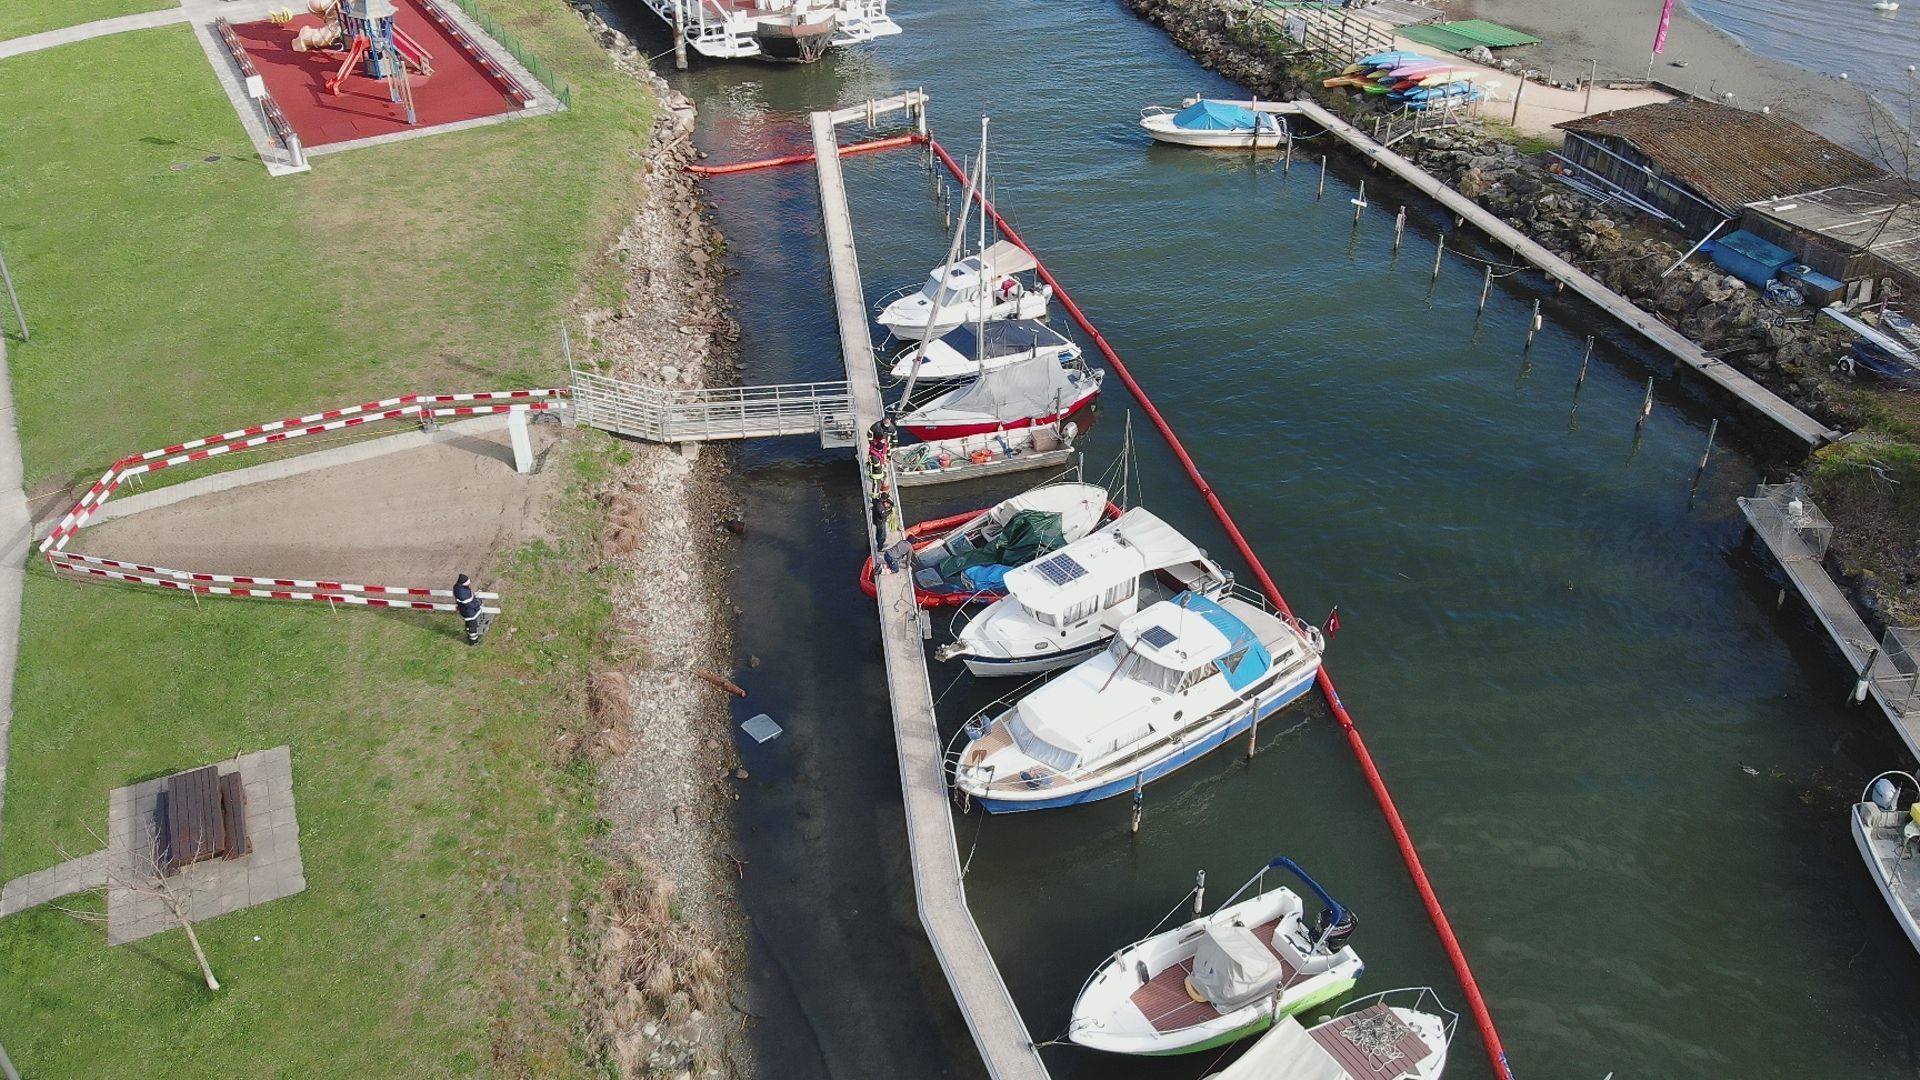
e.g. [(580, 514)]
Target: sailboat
[(1035, 388)]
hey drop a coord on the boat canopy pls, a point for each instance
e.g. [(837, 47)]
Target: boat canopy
[(1136, 544), (1209, 115), (1287, 1052), (1189, 630), (1003, 337), (958, 278), (1007, 257), (1031, 387), (1232, 968)]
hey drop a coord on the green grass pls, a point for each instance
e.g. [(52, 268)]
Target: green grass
[(170, 297), (19, 18), (423, 781)]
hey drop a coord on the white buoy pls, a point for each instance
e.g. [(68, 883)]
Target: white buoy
[(1886, 5)]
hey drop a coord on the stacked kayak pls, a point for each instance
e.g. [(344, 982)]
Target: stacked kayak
[(1408, 77)]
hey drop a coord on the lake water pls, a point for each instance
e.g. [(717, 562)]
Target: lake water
[(1627, 774), (1873, 48)]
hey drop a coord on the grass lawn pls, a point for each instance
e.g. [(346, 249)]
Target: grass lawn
[(171, 297), (19, 18)]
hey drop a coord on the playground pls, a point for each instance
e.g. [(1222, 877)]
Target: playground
[(358, 69)]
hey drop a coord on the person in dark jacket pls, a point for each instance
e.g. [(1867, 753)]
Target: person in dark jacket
[(882, 515), (469, 607)]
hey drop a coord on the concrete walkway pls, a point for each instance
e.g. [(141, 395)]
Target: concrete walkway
[(67, 35), (61, 879), (15, 535)]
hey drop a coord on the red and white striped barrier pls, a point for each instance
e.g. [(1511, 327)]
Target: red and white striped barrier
[(419, 407)]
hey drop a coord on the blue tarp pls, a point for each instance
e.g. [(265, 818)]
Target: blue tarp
[(1214, 116), (992, 576), (1245, 659), (1748, 257)]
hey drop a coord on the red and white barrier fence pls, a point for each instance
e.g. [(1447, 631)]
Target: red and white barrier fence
[(420, 407)]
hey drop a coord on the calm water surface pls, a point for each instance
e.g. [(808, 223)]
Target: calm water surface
[(1626, 773)]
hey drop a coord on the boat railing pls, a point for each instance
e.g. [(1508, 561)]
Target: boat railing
[(1152, 111), (1422, 999)]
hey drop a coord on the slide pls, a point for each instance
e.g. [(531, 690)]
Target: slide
[(411, 52)]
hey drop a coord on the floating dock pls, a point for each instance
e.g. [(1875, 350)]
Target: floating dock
[(1794, 530), (1005, 1046), (1752, 394)]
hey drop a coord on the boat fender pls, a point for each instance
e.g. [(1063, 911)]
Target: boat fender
[(980, 457)]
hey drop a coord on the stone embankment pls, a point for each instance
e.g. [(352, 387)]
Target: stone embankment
[(668, 971)]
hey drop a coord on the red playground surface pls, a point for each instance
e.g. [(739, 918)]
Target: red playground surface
[(458, 89)]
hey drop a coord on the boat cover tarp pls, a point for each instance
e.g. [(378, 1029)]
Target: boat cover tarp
[(1287, 1052), (1205, 115), (1231, 967), (1024, 388), (1026, 536), (1002, 337)]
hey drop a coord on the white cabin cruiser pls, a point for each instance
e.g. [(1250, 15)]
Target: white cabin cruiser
[(1222, 977), (978, 288), (1886, 829), (1065, 607), (1369, 1038), (970, 348), (1178, 680)]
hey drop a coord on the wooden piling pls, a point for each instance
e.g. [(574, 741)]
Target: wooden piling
[(1439, 249), (1139, 799), (1646, 406), (1533, 325), (1286, 168), (1399, 228), (680, 36), (1584, 357), (1486, 286), (1323, 178), (1360, 202)]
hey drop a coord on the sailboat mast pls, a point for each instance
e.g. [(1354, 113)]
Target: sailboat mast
[(940, 294), (986, 287)]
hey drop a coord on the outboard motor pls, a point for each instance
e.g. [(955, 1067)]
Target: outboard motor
[(1886, 795), (1333, 936)]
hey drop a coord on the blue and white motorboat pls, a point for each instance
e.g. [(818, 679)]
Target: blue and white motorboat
[(1220, 125), (970, 348), (1179, 679), (1065, 607)]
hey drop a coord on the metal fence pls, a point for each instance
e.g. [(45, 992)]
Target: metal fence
[(539, 68), (1895, 673), (1786, 518)]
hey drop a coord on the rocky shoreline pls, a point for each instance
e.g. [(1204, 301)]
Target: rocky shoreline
[(669, 965), (1782, 348)]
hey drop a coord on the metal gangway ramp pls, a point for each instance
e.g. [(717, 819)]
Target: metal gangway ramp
[(730, 412), (1006, 1048)]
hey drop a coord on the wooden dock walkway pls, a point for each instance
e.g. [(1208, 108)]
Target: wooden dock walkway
[(1757, 397), (1804, 564), (1005, 1046)]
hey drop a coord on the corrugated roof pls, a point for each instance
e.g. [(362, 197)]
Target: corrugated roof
[(1730, 156), (1879, 216), (1463, 35)]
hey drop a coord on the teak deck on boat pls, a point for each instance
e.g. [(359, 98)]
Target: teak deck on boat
[(1005, 1046), (1164, 1000), (1407, 1050)]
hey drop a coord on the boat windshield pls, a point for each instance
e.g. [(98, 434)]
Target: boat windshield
[(1129, 664), (1054, 757), (957, 281)]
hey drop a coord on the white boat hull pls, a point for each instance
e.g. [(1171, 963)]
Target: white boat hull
[(1892, 874), (908, 317), (1163, 131)]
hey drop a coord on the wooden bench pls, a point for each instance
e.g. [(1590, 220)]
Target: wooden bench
[(202, 815)]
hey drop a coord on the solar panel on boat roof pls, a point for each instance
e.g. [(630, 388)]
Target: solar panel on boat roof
[(1157, 636), (1060, 569)]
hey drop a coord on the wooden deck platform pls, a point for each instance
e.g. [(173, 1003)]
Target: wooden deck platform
[(1807, 572), (1005, 1045), (1757, 397)]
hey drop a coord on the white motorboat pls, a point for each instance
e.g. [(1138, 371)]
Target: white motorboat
[(1369, 1038), (1886, 829), (1222, 977), (1029, 390), (970, 348), (957, 559), (983, 287), (976, 456), (1178, 680), (774, 29), (1218, 125), (1062, 609)]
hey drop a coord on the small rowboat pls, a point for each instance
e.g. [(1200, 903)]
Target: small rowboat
[(1077, 508), (1369, 1038)]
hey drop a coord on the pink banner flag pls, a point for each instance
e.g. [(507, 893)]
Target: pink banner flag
[(1660, 37)]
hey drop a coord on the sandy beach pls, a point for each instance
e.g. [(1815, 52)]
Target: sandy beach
[(1619, 35)]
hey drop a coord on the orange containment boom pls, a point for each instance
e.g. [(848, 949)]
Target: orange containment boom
[(893, 143)]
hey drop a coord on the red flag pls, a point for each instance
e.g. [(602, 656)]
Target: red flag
[(1660, 36), (1332, 625)]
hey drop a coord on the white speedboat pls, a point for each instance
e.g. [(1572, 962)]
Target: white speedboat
[(1027, 391), (1369, 1038), (1222, 977), (956, 559), (1065, 607), (1218, 125), (1886, 829), (1178, 680), (970, 348), (982, 287)]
